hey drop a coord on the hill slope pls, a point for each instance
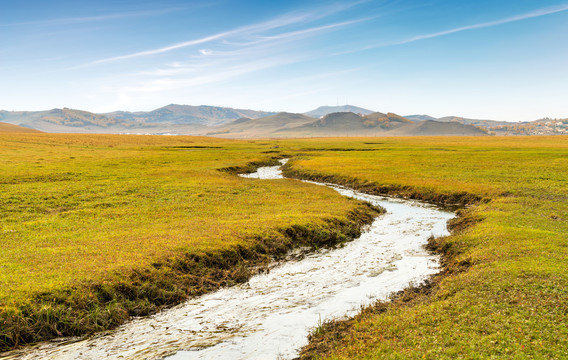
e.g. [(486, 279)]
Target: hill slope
[(11, 128)]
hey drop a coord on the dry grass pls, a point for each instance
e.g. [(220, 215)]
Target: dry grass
[(96, 228), (504, 291)]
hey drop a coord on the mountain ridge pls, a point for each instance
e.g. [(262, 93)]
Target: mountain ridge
[(326, 110), (222, 121)]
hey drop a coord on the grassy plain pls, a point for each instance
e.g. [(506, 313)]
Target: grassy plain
[(94, 229), (504, 291), (100, 215)]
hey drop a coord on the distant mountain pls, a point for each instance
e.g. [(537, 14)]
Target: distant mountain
[(419, 117), (265, 126), (348, 124), (459, 119), (477, 122), (189, 115), (340, 124), (168, 119), (325, 110), (243, 123), (437, 128), (10, 128), (62, 120)]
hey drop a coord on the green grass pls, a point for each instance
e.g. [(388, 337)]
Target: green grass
[(504, 291), (113, 226), (94, 229)]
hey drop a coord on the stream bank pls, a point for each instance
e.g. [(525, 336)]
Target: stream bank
[(89, 308), (271, 315)]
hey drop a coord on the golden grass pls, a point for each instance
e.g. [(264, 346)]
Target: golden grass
[(504, 293), (78, 211)]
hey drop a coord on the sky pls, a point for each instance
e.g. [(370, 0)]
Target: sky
[(485, 59)]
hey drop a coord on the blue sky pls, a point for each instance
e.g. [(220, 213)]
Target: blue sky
[(505, 60)]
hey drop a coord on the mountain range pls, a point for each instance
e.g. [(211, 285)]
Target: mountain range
[(346, 120), (339, 124)]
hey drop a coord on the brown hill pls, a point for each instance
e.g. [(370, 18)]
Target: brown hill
[(385, 121), (10, 128), (348, 124)]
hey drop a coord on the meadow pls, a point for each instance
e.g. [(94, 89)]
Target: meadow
[(95, 229), (504, 289)]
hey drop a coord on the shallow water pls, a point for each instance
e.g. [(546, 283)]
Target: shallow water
[(267, 172), (270, 316)]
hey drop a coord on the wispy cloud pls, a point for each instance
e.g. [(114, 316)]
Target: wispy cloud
[(85, 19), (162, 49), (526, 16), (255, 30), (530, 15)]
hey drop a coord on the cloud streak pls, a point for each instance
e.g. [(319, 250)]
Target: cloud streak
[(84, 19), (250, 30), (526, 16), (533, 14)]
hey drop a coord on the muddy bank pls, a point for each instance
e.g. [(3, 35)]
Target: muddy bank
[(449, 200), (332, 333), (335, 333)]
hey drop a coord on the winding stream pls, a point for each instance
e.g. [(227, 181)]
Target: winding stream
[(270, 316)]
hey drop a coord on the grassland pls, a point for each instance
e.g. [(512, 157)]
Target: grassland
[(99, 222), (504, 291), (94, 229)]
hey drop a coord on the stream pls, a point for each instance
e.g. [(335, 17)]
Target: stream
[(271, 315)]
